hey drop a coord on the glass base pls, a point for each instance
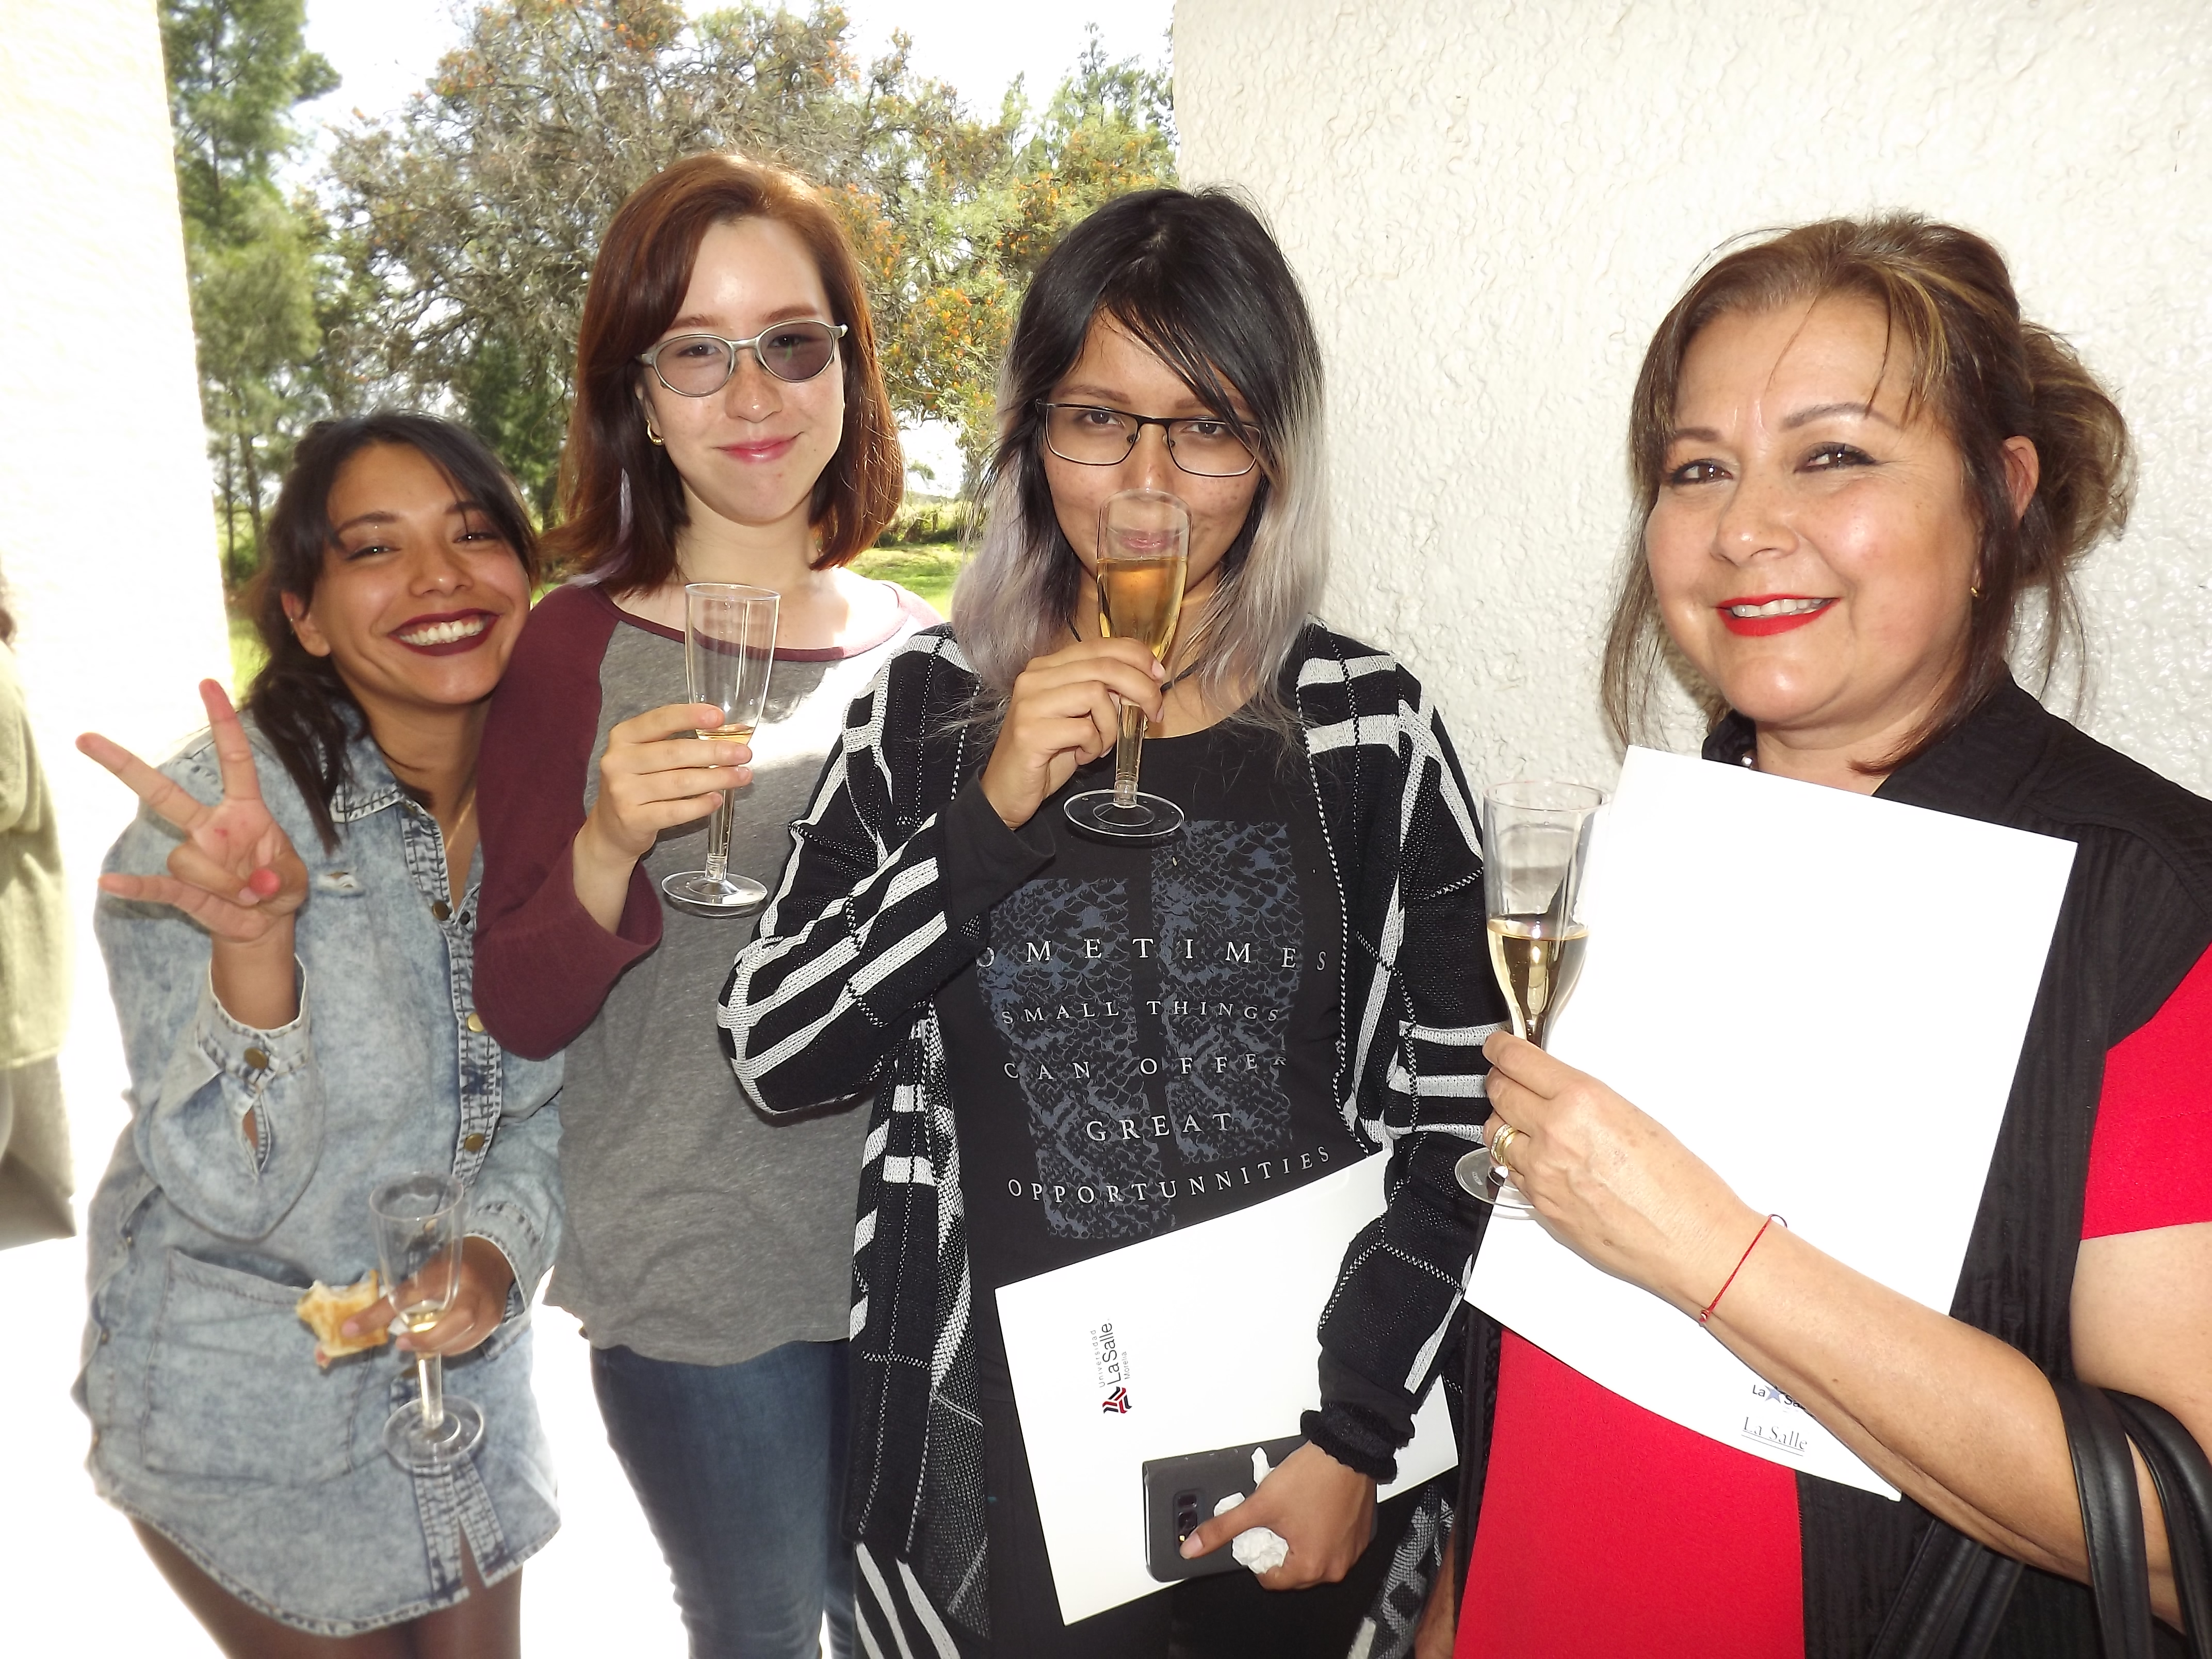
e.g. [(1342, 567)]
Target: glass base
[(1485, 1181), (1146, 819), (414, 1447), (695, 890)]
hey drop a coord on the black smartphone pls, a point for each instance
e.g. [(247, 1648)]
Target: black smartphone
[(1180, 1493)]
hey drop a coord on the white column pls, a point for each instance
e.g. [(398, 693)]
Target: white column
[(107, 544), (106, 533)]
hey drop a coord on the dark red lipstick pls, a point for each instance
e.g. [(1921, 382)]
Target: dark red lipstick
[(453, 635)]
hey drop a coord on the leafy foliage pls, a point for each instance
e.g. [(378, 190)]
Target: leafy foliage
[(236, 68), (443, 258), (473, 217)]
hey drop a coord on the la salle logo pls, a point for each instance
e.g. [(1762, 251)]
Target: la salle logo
[(1117, 1403)]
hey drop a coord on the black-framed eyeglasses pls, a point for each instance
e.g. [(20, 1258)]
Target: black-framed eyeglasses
[(700, 365), (1203, 446)]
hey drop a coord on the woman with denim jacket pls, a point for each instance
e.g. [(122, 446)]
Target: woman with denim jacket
[(290, 950)]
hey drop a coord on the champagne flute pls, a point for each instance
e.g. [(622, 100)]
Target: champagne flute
[(1536, 840), (1144, 556), (729, 646), (418, 1244)]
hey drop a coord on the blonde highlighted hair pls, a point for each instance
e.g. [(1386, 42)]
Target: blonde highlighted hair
[(1197, 279)]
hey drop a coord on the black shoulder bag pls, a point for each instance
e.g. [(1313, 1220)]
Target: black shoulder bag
[(1955, 1596)]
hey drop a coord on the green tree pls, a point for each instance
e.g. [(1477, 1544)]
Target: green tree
[(953, 256), (236, 70), (469, 223)]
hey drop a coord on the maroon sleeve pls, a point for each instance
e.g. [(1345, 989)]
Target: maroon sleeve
[(544, 966)]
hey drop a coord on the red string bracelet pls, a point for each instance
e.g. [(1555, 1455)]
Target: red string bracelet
[(1738, 1268)]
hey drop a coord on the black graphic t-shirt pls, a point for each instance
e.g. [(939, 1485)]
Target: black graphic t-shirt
[(1149, 1038)]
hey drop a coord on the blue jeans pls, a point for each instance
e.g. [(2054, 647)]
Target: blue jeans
[(741, 1472)]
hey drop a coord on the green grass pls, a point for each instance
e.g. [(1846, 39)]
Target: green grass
[(246, 655), (927, 570)]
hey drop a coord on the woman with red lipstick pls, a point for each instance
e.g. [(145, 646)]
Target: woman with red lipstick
[(730, 426), (1858, 467), (287, 929)]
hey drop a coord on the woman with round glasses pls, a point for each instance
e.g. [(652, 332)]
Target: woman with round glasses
[(730, 426), (1073, 1045)]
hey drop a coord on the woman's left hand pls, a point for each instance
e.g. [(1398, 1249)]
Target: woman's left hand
[(1610, 1180), (1323, 1510), (478, 1306)]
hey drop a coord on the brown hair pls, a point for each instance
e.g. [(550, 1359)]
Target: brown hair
[(1986, 373), (621, 501)]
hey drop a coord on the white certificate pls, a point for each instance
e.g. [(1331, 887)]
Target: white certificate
[(1201, 1338), (1824, 996)]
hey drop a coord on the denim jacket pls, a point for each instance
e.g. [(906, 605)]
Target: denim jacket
[(211, 1420)]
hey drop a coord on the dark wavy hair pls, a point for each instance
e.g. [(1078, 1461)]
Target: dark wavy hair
[(300, 701), (1982, 370), (622, 501)]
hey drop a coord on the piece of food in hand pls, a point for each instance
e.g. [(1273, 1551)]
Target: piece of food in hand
[(324, 1310)]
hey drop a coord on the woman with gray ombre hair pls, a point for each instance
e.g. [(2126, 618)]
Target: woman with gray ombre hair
[(1073, 1044)]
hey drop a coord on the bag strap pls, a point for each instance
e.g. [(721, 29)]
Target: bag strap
[(2183, 1477), (1953, 1598), (2111, 1518)]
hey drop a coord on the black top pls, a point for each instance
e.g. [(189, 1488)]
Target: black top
[(900, 862), (2137, 916), (1147, 1038)]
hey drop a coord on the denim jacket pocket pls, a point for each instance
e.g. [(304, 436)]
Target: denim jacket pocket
[(233, 1391)]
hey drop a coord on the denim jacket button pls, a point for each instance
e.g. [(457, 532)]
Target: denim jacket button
[(474, 1022), (257, 1059), (441, 909), (472, 1143)]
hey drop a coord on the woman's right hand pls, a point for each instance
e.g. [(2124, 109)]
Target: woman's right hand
[(1063, 713), (236, 871), (653, 776)]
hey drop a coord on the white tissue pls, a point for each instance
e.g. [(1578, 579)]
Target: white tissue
[(1259, 1549)]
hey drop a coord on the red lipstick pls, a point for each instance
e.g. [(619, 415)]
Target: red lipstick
[(1758, 627)]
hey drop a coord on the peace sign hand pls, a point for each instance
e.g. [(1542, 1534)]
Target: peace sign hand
[(235, 872)]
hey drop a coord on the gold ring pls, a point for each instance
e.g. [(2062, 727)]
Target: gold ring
[(1497, 1143)]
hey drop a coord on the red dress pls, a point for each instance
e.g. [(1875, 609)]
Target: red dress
[(1607, 1530)]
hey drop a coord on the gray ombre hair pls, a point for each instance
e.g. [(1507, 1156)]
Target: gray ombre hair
[(1196, 278)]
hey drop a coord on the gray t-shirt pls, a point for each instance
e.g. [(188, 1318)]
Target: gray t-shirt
[(696, 1230)]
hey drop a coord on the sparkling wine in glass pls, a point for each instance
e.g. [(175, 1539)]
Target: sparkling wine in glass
[(729, 647), (1536, 845), (418, 1221), (1144, 556)]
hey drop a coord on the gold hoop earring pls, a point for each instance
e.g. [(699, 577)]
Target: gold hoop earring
[(1975, 592), (651, 436)]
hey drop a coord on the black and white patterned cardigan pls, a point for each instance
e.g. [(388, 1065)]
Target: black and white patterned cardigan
[(880, 908)]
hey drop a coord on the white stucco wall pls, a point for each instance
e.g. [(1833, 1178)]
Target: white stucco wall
[(1492, 204)]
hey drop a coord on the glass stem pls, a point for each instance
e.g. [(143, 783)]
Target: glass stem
[(1126, 752), (717, 842), (430, 1373)]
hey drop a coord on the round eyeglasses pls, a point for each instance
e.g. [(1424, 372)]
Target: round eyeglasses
[(1203, 446), (700, 365)]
